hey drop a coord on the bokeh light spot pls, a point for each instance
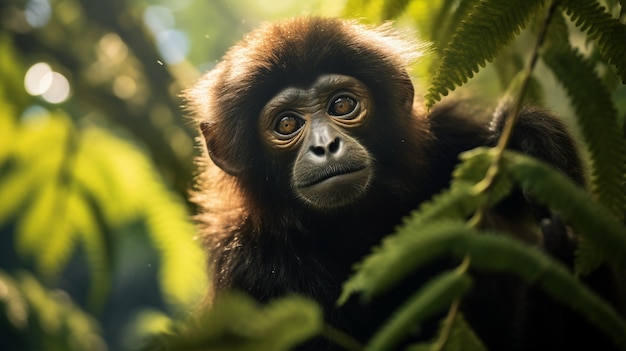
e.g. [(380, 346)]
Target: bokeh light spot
[(38, 79), (173, 46), (113, 48), (158, 18), (41, 80), (37, 13), (59, 90), (124, 87)]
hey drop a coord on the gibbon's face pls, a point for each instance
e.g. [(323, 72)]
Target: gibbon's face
[(316, 124)]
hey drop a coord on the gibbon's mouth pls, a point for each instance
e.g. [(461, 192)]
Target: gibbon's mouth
[(331, 174)]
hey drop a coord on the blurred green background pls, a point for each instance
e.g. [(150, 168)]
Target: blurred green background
[(97, 158), (97, 244)]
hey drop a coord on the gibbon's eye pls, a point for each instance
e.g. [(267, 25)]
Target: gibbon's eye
[(342, 105), (288, 124)]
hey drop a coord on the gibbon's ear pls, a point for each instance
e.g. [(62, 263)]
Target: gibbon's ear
[(200, 103), (219, 153)]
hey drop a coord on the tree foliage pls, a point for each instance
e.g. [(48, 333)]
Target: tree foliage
[(482, 30), (68, 188)]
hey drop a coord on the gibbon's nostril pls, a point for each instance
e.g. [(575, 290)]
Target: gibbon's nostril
[(318, 150), (331, 148)]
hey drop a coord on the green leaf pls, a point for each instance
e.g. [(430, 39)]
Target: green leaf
[(18, 189), (113, 171), (448, 20), (490, 26), (390, 262), (237, 323), (100, 259), (123, 185), (420, 240), (182, 276), (12, 73), (554, 189), (8, 130), (35, 224), (47, 320), (54, 249), (498, 253), (596, 115), (462, 338), (434, 297), (609, 33), (474, 169)]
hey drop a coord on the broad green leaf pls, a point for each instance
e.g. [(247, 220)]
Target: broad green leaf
[(182, 275), (36, 223), (18, 189), (74, 215), (57, 322), (7, 129), (99, 258)]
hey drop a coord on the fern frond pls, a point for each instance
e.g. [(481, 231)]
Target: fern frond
[(488, 28), (596, 115), (238, 323), (554, 189), (497, 253), (448, 20), (391, 262), (401, 254), (608, 33), (474, 168), (457, 203), (434, 297)]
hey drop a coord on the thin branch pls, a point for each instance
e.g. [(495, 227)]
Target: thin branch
[(446, 329), (342, 339), (513, 112)]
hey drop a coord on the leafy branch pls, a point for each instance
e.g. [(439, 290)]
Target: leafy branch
[(486, 176)]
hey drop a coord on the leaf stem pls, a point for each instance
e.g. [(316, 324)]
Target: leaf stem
[(446, 329), (340, 338), (513, 112)]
